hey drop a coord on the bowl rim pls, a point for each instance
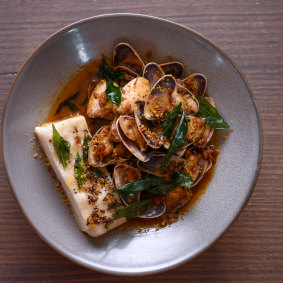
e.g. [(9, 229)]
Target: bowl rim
[(181, 261)]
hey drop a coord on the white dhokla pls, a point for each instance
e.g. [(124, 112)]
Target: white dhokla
[(94, 203)]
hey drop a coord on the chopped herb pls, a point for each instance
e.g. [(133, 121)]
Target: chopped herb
[(61, 147), (96, 171), (79, 171), (140, 185), (85, 101), (169, 123), (113, 93), (69, 104), (85, 149), (210, 114), (133, 210), (183, 180), (178, 141)]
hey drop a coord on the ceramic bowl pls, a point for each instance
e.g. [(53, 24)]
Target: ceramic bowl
[(129, 252)]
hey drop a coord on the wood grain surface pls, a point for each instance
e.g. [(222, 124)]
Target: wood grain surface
[(252, 33)]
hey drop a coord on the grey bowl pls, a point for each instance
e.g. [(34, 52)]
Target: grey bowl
[(120, 252)]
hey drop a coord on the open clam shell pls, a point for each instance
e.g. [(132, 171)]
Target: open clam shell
[(152, 166), (177, 198), (131, 145), (154, 210), (153, 73), (158, 102), (206, 165), (151, 132), (196, 84), (129, 74), (125, 55), (99, 145), (124, 174), (175, 68)]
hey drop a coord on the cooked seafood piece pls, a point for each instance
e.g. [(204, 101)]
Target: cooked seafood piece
[(136, 90), (93, 204), (125, 55), (101, 148), (176, 69), (153, 165), (153, 73), (195, 165), (98, 105), (129, 134), (196, 84), (158, 102), (124, 174), (150, 131)]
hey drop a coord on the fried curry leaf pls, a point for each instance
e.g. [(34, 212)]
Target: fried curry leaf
[(169, 123), (210, 114), (106, 72), (133, 210), (113, 93), (79, 171), (183, 180), (69, 104), (163, 189), (61, 147), (96, 171), (178, 140), (139, 185), (85, 149)]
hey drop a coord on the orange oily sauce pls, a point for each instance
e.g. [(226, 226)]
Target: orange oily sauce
[(80, 81)]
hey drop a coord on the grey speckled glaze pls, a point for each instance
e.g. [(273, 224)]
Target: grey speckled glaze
[(119, 252)]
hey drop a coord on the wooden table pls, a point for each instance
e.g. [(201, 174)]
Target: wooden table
[(252, 33)]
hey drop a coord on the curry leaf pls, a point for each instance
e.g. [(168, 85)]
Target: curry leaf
[(139, 185), (96, 171), (85, 149), (69, 104), (113, 93), (133, 210), (61, 147), (178, 140), (79, 171), (163, 189), (183, 180), (210, 114), (106, 72), (169, 123)]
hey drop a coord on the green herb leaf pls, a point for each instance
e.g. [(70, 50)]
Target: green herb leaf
[(169, 123), (69, 104), (139, 185), (183, 180), (210, 114), (61, 147), (96, 171), (85, 101), (85, 149), (113, 93), (163, 188), (79, 171), (178, 141), (133, 210), (105, 72)]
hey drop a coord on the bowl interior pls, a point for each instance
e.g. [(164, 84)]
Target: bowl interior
[(130, 252)]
